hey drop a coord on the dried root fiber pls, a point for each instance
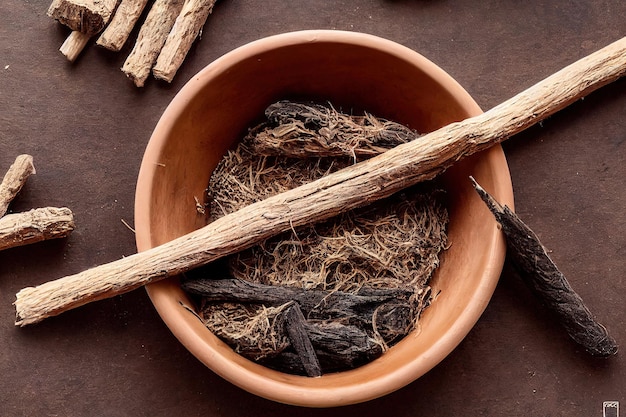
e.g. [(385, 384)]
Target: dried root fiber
[(391, 244)]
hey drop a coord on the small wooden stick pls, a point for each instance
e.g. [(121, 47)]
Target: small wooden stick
[(150, 40), (86, 16), (34, 226), (184, 32), (547, 282), (352, 187), (74, 45), (295, 326), (121, 25), (14, 180)]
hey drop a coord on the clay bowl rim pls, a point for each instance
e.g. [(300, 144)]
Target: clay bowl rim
[(259, 380)]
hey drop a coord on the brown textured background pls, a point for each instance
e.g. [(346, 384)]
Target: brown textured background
[(87, 126)]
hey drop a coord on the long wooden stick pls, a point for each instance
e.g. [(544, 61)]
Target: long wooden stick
[(14, 180), (349, 188)]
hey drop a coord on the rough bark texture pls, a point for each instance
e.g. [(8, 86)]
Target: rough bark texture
[(299, 130), (117, 31), (548, 283), (34, 226), (318, 304), (295, 325), (14, 180), (150, 40), (186, 29), (74, 45), (86, 16), (338, 347), (358, 185)]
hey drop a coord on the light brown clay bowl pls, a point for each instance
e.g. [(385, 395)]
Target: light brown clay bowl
[(352, 71)]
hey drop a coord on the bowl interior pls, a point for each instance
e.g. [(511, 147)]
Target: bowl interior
[(354, 72)]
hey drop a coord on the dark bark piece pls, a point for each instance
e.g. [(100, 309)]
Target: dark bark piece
[(314, 303), (344, 339), (303, 130), (295, 326), (547, 282), (338, 347), (342, 346), (346, 330)]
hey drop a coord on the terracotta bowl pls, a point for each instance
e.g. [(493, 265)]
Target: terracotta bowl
[(352, 71)]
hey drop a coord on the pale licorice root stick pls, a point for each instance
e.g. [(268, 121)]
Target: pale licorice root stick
[(35, 226), (355, 186), (121, 25), (150, 40), (186, 29), (14, 180), (74, 45)]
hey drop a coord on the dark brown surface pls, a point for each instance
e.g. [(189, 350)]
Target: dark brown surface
[(87, 126)]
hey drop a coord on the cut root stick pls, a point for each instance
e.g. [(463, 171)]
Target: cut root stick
[(150, 39), (121, 25), (548, 283), (186, 29), (349, 188), (74, 45), (14, 180), (85, 16), (35, 226)]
